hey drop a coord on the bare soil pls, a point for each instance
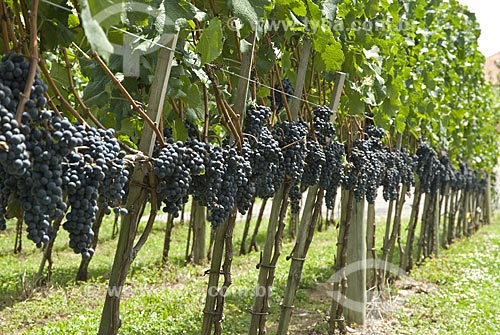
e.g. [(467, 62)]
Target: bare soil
[(382, 310)]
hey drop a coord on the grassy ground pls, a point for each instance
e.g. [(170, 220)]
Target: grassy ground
[(157, 300), (468, 290), (169, 300)]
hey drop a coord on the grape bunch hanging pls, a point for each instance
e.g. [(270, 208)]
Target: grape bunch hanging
[(45, 158)]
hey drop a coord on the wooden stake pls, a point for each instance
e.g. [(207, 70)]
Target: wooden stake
[(301, 77), (337, 93), (110, 319), (356, 263), (244, 81)]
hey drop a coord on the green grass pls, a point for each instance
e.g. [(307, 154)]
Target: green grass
[(468, 280), (170, 300), (156, 300)]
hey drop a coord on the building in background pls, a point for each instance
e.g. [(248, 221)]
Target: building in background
[(492, 69)]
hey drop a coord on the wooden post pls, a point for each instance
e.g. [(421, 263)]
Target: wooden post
[(158, 92), (298, 257), (301, 78), (390, 243), (487, 202), (337, 93), (340, 279), (310, 214), (264, 265), (199, 234), (435, 222), (243, 83), (213, 279), (110, 319), (355, 308), (371, 251)]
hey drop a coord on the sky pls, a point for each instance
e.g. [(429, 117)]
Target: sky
[(487, 13)]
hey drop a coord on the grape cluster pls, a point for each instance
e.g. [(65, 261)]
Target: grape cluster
[(174, 168), (246, 192), (48, 158), (95, 176), (222, 182), (81, 183), (447, 175), (468, 177), (103, 150), (392, 176), (205, 186), (267, 186), (375, 132), (263, 153), (291, 138), (367, 159), (323, 127), (48, 145), (427, 167), (34, 182), (408, 163), (234, 180), (399, 170), (277, 95), (314, 162), (295, 196), (192, 132), (459, 181), (256, 120), (13, 74), (332, 173)]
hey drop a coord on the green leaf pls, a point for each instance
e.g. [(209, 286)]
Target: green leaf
[(126, 139), (263, 92), (106, 12), (400, 122), (322, 38), (315, 13), (94, 32), (211, 42), (333, 56), (250, 12)]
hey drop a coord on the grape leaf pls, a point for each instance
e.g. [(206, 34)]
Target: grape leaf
[(250, 12), (94, 32), (211, 42), (333, 56)]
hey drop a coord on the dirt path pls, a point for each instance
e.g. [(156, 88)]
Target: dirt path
[(381, 311)]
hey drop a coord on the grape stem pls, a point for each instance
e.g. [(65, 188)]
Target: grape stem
[(58, 95), (5, 31), (284, 97), (71, 82), (206, 122), (9, 29), (175, 107), (293, 143), (138, 109), (225, 110), (33, 62)]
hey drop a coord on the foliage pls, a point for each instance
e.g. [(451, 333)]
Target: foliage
[(414, 65)]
